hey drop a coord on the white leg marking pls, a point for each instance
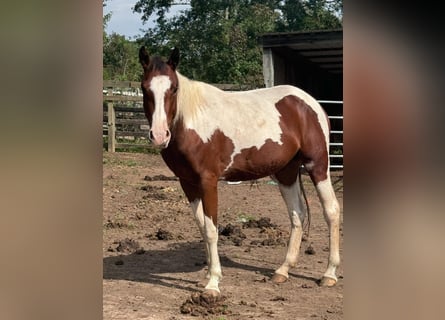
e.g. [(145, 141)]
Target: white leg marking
[(214, 266), (331, 211), (198, 213), (297, 213)]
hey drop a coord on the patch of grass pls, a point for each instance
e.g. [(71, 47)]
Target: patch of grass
[(121, 162), (139, 149), (243, 217), (118, 224), (133, 146), (130, 163)]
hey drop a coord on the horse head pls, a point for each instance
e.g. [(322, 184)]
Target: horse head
[(159, 87)]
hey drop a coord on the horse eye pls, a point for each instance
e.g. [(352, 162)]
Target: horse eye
[(174, 90)]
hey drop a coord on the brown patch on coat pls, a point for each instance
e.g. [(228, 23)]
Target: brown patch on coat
[(199, 165), (302, 140), (301, 126)]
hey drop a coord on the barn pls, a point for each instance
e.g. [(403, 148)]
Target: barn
[(312, 61)]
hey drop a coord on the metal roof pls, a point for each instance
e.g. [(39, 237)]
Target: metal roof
[(323, 48)]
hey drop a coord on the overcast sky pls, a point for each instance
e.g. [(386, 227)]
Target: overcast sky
[(125, 22)]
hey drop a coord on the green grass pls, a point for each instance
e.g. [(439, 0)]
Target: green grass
[(243, 217), (119, 162), (139, 146)]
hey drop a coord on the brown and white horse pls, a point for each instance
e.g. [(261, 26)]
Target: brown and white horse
[(207, 134)]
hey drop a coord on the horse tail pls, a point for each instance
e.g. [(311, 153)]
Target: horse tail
[(308, 224)]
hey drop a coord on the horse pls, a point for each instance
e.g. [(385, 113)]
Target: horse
[(206, 135)]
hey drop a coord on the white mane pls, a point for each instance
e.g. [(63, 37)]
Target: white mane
[(192, 97)]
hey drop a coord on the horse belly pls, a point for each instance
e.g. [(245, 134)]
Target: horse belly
[(251, 164)]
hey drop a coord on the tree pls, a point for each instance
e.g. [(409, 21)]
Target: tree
[(310, 15), (106, 18), (218, 40), (120, 58), (321, 14)]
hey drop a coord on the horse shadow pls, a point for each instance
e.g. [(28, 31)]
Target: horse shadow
[(157, 266)]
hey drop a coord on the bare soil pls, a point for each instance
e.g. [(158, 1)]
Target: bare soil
[(154, 260)]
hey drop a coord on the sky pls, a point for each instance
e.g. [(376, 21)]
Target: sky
[(125, 22)]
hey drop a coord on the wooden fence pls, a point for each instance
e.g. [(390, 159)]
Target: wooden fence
[(125, 126), (124, 122)]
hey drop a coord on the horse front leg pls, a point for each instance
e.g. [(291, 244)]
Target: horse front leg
[(204, 203), (198, 213), (210, 208), (194, 196)]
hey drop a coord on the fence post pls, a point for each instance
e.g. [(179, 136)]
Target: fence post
[(111, 128)]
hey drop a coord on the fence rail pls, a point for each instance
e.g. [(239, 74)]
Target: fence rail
[(125, 125), (335, 148)]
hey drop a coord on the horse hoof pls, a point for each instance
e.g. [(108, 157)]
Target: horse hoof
[(327, 282), (278, 278), (210, 296)]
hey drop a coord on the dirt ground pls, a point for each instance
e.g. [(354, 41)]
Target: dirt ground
[(154, 259)]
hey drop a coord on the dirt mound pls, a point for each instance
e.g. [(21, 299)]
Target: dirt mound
[(162, 234), (260, 223), (154, 192), (233, 233), (115, 224), (202, 304), (310, 249), (160, 177), (128, 246), (274, 237)]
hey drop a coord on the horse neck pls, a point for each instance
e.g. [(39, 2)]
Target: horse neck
[(192, 97)]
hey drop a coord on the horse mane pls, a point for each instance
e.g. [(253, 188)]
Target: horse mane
[(191, 99)]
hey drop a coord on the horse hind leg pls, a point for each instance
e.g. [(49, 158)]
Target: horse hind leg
[(321, 178), (291, 193), (331, 211)]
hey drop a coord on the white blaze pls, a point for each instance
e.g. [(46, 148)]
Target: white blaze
[(159, 85)]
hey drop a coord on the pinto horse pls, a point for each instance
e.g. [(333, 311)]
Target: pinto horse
[(207, 134)]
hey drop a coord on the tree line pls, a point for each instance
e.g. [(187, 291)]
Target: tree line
[(218, 40)]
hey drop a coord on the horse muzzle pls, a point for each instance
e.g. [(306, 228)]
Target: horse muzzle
[(160, 138)]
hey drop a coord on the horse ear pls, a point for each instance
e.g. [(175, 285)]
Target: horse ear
[(144, 58), (174, 58)]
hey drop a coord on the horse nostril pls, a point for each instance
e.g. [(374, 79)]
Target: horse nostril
[(168, 134)]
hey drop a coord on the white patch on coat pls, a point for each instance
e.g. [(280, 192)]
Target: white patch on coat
[(159, 85), (248, 118)]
